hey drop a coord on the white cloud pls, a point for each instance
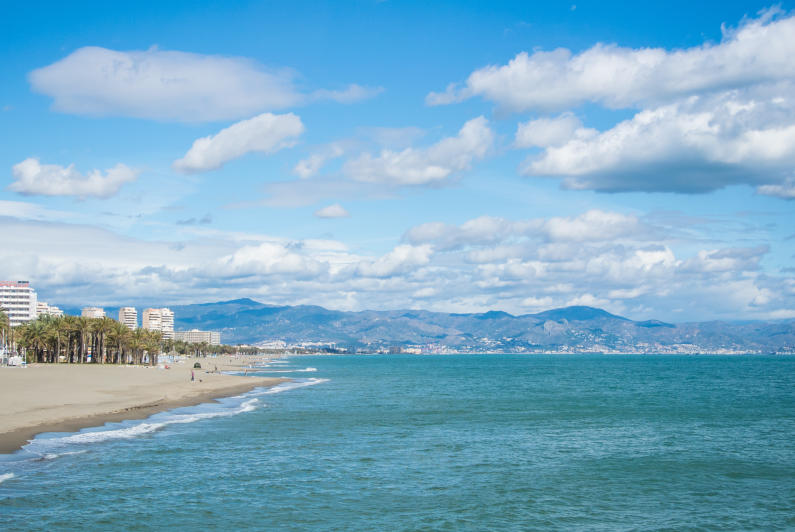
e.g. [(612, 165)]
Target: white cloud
[(544, 132), (591, 226), (266, 133), (402, 259), (332, 211), (697, 145), (785, 190), (163, 85), (517, 272), (760, 50), (310, 166), (173, 86), (35, 179), (414, 166)]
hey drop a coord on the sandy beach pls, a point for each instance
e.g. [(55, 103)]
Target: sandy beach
[(66, 398)]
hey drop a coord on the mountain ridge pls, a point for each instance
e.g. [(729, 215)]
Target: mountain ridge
[(566, 329)]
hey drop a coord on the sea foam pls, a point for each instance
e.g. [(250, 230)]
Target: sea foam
[(49, 446)]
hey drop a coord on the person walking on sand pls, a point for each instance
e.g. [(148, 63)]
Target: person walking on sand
[(191, 376)]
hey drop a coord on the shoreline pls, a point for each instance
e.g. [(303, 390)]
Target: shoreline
[(45, 398)]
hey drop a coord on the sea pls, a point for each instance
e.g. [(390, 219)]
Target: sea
[(459, 442)]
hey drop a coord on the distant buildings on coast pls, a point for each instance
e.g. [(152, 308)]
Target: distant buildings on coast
[(18, 299), (92, 312), (195, 336)]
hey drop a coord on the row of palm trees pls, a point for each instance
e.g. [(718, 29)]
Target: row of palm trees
[(75, 340)]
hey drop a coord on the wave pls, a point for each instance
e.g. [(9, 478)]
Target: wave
[(146, 427), (6, 476), (305, 370), (292, 385), (48, 447), (53, 456)]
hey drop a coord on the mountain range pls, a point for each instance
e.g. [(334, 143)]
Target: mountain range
[(570, 329)]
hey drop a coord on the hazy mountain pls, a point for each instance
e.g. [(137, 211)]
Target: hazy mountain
[(565, 329)]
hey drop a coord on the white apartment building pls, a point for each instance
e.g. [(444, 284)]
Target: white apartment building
[(129, 317), (159, 319), (43, 309), (92, 312), (195, 336), (18, 300), (167, 323)]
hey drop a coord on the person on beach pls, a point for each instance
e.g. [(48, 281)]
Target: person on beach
[(191, 376)]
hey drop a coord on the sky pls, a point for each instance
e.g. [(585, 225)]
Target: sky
[(448, 156)]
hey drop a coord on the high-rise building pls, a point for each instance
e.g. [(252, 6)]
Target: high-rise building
[(159, 319), (18, 300), (43, 309), (196, 336), (92, 312), (167, 323), (150, 319), (129, 317)]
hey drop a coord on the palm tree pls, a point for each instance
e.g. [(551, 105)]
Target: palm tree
[(83, 328), (152, 343), (102, 327), (34, 337), (119, 336), (69, 329), (5, 329), (137, 344)]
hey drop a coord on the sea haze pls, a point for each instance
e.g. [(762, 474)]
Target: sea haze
[(476, 442)]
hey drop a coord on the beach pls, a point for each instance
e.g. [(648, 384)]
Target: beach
[(69, 397)]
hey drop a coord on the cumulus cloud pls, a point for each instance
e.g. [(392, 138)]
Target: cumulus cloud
[(402, 259), (697, 145), (759, 50), (332, 211), (35, 179), (422, 166), (173, 86), (266, 133), (545, 132)]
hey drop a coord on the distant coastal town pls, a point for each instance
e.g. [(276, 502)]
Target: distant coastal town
[(29, 326)]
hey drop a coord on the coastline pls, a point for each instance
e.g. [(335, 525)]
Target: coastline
[(64, 398)]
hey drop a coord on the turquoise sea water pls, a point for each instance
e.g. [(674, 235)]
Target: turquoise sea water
[(496, 442)]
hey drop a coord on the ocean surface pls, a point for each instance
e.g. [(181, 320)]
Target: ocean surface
[(474, 442)]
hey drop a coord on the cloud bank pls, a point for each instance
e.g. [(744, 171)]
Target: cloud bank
[(615, 260)]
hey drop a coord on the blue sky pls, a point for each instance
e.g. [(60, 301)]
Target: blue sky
[(457, 156)]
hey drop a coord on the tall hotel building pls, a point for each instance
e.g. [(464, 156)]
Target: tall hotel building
[(18, 300), (129, 317), (159, 319)]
